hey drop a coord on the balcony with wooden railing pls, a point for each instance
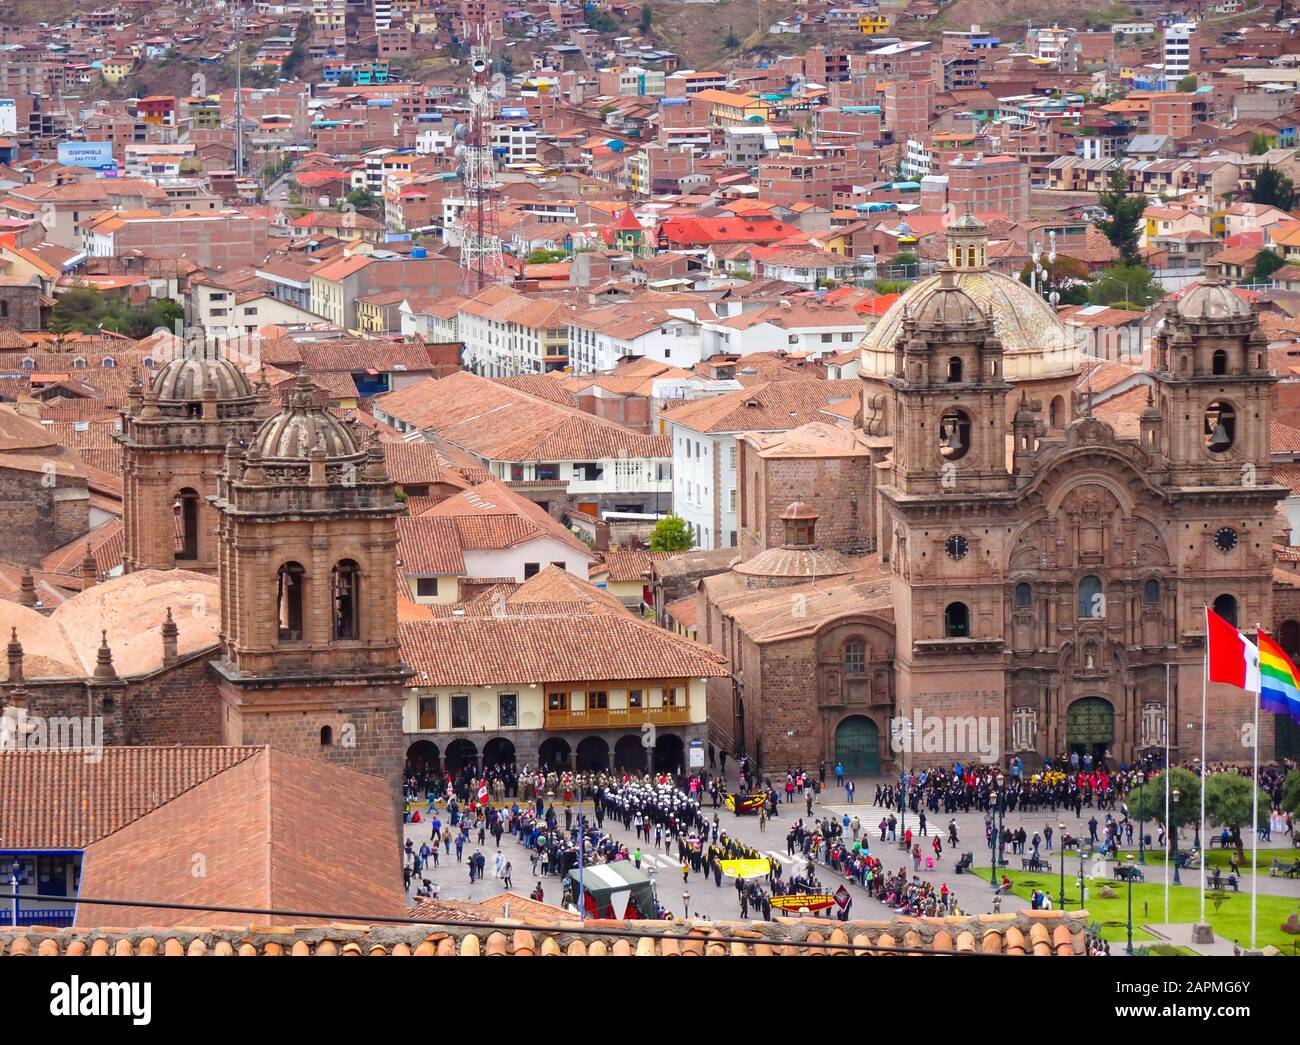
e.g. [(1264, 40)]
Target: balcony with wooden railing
[(617, 718)]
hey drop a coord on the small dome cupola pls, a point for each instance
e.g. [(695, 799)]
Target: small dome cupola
[(800, 522)]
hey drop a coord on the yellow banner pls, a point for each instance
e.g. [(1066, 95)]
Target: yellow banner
[(745, 869)]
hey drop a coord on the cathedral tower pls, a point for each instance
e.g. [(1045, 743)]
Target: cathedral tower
[(949, 397), (309, 650), (174, 433)]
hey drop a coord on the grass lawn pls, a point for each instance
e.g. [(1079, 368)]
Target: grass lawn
[(1230, 922), (1219, 858)]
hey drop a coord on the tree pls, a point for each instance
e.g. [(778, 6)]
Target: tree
[(82, 309), (672, 533), (1229, 800), (601, 20), (1125, 286), (1291, 792), (731, 41), (1187, 85), (1266, 263), (363, 200), (1273, 188), (1260, 144), (1123, 213), (1148, 801), (647, 17)]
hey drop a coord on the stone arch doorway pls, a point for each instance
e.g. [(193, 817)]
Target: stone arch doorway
[(461, 753), (499, 751), (422, 756), (629, 754), (554, 753), (857, 745), (670, 753), (593, 753), (1090, 727)]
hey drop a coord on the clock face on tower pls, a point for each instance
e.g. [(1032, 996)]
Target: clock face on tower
[(957, 546), (1225, 539)]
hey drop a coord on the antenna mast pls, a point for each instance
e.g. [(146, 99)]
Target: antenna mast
[(481, 259), (238, 16)]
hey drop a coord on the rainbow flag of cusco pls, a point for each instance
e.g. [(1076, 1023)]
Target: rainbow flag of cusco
[(1279, 682)]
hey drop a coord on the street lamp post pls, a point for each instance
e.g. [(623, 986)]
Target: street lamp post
[(1082, 889), (1132, 870), (686, 904), (1142, 820), (999, 805), (1061, 828)]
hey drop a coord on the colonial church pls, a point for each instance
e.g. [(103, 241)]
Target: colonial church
[(1036, 579), (258, 605)]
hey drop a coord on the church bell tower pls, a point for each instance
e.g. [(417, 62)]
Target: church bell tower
[(309, 648)]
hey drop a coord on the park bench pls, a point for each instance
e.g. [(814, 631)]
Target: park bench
[(1293, 871), (1219, 842), (1035, 863), (1124, 874)]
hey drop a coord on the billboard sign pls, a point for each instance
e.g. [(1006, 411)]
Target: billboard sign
[(95, 156)]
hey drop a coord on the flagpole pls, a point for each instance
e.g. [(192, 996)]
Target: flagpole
[(1205, 686), (1169, 854), (1254, 801)]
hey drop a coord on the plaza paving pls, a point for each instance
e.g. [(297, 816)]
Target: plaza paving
[(974, 892)]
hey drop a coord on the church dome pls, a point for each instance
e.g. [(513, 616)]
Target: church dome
[(1212, 299), (182, 380), (948, 307), (302, 425), (1035, 342), (795, 564)]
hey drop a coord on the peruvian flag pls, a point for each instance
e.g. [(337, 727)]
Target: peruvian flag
[(483, 788), (1230, 656)]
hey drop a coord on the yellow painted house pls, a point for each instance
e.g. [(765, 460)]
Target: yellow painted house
[(116, 68), (873, 23), (729, 109)]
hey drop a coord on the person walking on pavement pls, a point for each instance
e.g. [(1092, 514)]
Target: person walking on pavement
[(636, 858)]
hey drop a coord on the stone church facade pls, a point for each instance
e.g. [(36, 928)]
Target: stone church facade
[(283, 521), (1036, 579)]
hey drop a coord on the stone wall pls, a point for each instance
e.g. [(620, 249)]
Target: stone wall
[(40, 518)]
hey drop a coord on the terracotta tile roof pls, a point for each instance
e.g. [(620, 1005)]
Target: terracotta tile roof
[(628, 564), (552, 647), (558, 590), (60, 799), (772, 407), (419, 464), (429, 545), (1037, 933), (499, 423), (544, 386), (684, 611), (491, 516), (276, 830)]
